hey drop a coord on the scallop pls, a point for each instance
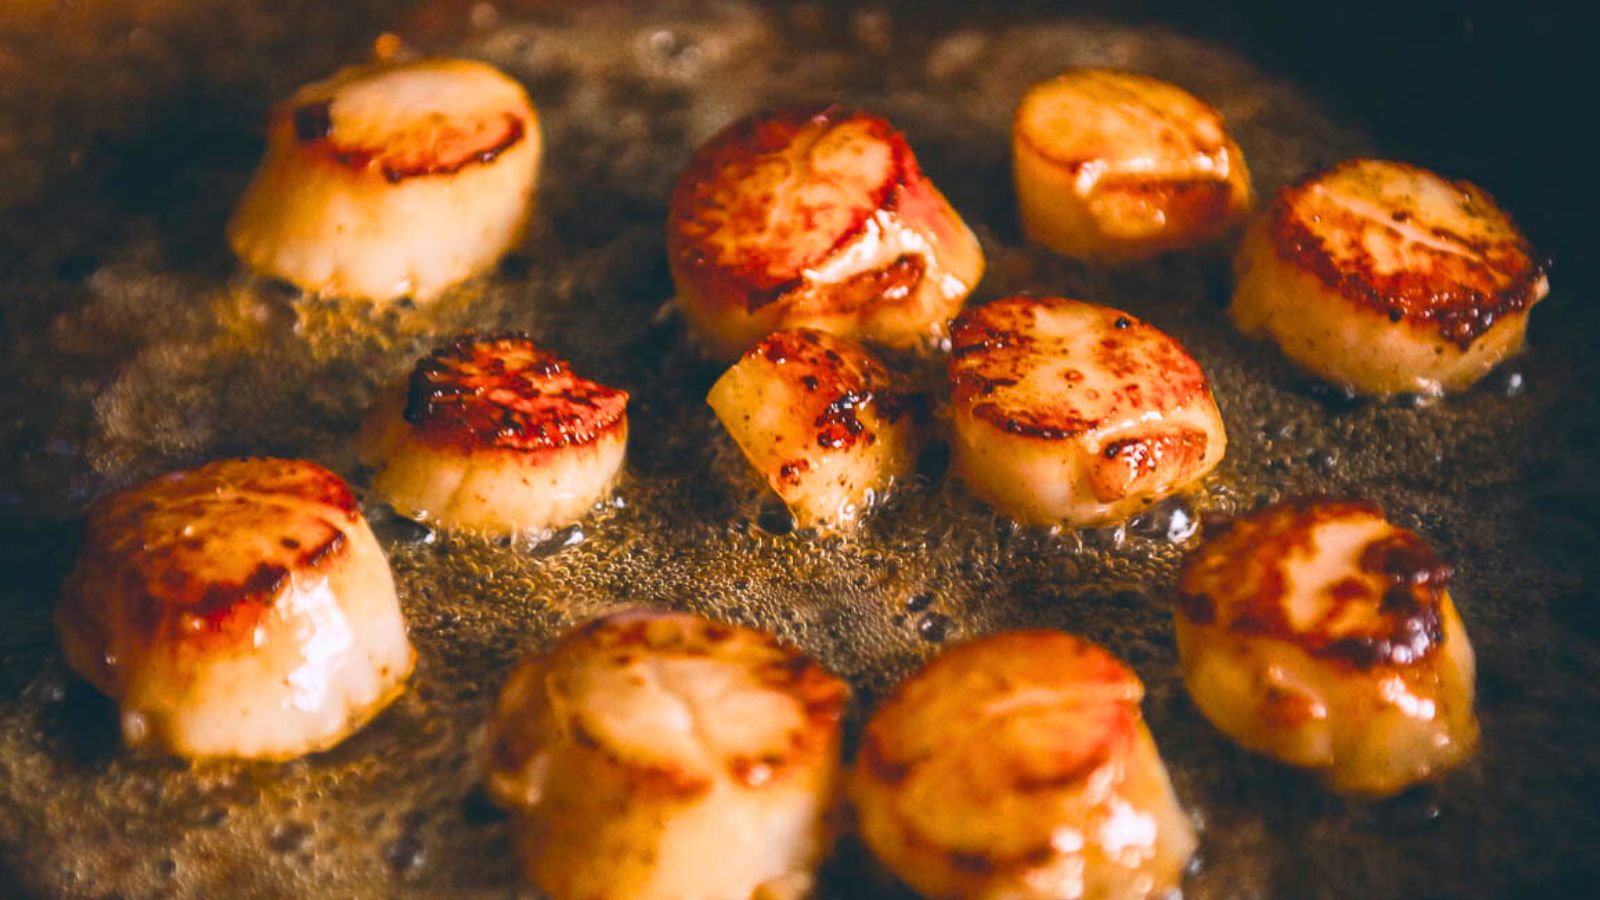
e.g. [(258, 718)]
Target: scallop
[(815, 217), (391, 180), (1321, 635), (663, 755), (238, 609), (1385, 278), (496, 435), (1019, 766), (825, 425), (1068, 412), (1113, 166)]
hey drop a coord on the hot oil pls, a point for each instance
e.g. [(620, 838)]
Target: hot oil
[(152, 359)]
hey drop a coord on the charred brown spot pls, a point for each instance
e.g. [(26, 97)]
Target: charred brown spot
[(844, 381), (1408, 601), (839, 425), (504, 391), (1132, 461), (447, 151), (1199, 608), (892, 283), (313, 121), (1041, 425)]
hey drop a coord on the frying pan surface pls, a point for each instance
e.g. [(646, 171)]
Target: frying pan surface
[(130, 345)]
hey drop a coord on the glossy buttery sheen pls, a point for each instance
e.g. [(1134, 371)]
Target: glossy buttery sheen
[(242, 608), (658, 756), (1068, 412), (1321, 635), (1113, 166), (391, 180), (815, 217), (1019, 766)]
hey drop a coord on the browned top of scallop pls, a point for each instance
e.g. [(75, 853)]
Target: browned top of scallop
[(775, 194), (412, 120), (838, 379), (506, 392), (988, 746), (1054, 369), (684, 702), (1330, 576), (200, 548), (1107, 126), (1409, 244), (1008, 701)]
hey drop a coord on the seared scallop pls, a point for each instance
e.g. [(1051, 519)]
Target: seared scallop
[(821, 420), (1068, 412), (499, 436), (242, 609), (1019, 766), (1386, 278), (391, 180), (1113, 166), (816, 217), (1323, 636), (663, 755)]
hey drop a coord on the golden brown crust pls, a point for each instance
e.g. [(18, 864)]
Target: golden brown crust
[(206, 551), (1388, 613), (840, 381), (1027, 680), (1457, 284), (1131, 464), (1186, 126), (504, 391), (894, 743), (993, 348), (625, 639), (400, 143), (777, 193), (445, 149)]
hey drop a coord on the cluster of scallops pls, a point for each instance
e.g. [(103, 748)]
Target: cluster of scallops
[(244, 609)]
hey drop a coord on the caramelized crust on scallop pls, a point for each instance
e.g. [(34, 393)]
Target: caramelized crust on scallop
[(1385, 611), (662, 755), (505, 391), (1384, 277), (775, 195), (1118, 166), (840, 382), (405, 122), (241, 608), (1320, 634), (496, 435), (1406, 243), (1057, 395), (1013, 766), (818, 217), (822, 421), (206, 551), (1003, 364)]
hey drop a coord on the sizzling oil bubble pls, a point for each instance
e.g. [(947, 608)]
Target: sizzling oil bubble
[(934, 627)]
